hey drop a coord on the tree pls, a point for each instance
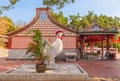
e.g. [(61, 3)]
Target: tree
[(58, 3), (6, 25), (88, 19), (9, 6), (60, 18), (108, 22), (75, 21), (37, 49), (91, 17), (103, 20), (84, 23)]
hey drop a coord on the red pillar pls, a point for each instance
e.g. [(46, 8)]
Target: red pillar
[(91, 47), (81, 46), (77, 41), (102, 47), (107, 43), (9, 44)]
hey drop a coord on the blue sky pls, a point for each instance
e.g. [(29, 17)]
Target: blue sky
[(25, 10)]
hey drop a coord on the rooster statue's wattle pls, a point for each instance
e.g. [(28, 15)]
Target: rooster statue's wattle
[(55, 48)]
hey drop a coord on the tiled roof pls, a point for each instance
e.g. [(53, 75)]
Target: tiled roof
[(96, 30), (45, 24)]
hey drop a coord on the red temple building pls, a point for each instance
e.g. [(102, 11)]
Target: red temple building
[(19, 40)]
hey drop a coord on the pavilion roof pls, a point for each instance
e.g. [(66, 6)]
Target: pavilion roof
[(96, 29)]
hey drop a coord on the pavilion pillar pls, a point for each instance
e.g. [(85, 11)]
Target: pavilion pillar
[(92, 46), (107, 46), (107, 43), (102, 47), (85, 48), (81, 46)]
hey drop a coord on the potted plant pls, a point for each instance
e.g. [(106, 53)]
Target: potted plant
[(36, 48)]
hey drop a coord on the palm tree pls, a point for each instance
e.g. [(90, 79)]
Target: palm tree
[(37, 48)]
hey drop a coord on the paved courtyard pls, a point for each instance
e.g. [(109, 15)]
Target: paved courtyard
[(106, 68), (95, 68)]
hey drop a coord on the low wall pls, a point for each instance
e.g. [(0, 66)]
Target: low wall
[(62, 55), (64, 72), (17, 54), (21, 53), (40, 77)]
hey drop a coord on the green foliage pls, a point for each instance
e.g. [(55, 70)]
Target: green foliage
[(91, 16), (37, 47), (58, 3), (13, 2), (82, 21), (9, 6), (60, 18), (85, 21), (75, 21), (116, 45)]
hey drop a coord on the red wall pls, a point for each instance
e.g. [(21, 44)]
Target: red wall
[(20, 42), (68, 42), (23, 42)]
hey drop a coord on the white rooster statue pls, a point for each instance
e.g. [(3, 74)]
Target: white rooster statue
[(55, 48)]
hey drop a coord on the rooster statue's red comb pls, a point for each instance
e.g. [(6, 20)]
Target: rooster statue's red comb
[(58, 32)]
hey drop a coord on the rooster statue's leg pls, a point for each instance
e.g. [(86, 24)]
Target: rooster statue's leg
[(52, 64), (52, 61)]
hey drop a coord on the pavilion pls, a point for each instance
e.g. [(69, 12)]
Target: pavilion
[(93, 34)]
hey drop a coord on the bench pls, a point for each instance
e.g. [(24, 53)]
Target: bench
[(70, 56)]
